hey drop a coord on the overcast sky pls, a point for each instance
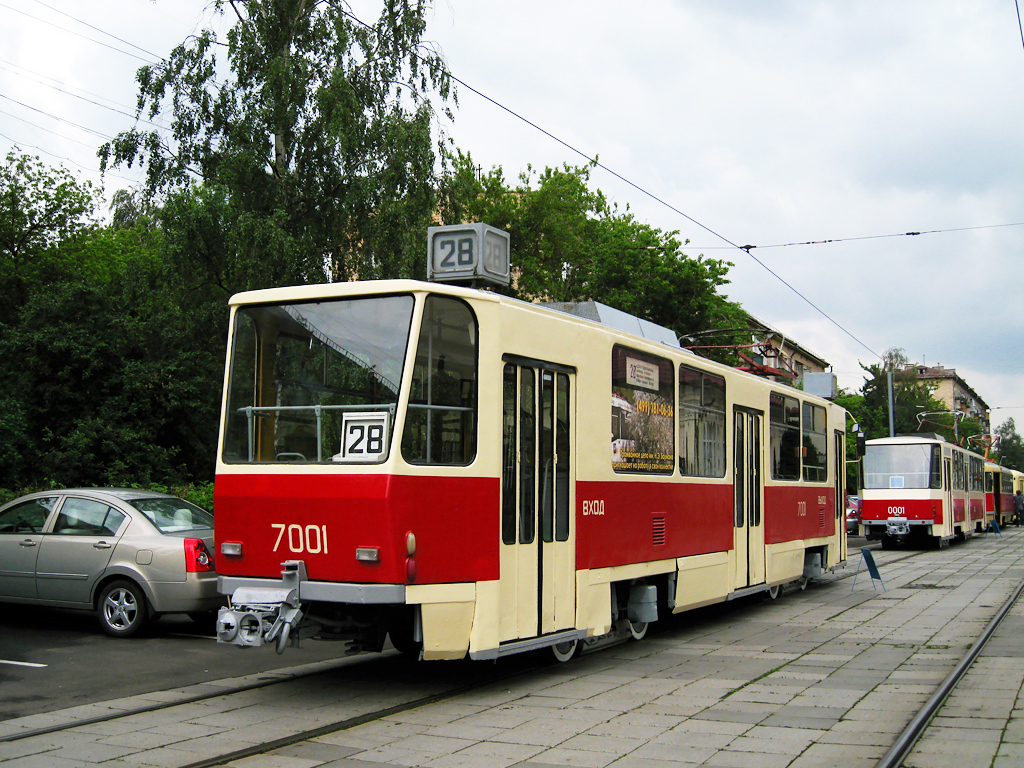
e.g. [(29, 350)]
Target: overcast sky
[(758, 123)]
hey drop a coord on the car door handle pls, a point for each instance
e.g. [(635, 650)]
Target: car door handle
[(101, 545), (28, 543)]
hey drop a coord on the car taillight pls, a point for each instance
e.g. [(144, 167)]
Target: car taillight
[(197, 557)]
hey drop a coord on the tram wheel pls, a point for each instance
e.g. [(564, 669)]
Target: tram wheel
[(637, 629), (773, 591), (565, 651), (803, 581)]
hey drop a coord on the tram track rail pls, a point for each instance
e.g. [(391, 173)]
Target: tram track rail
[(906, 740)]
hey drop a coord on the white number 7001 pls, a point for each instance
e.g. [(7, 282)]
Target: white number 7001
[(311, 539)]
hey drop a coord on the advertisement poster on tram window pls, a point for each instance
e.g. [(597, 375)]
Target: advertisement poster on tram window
[(643, 406)]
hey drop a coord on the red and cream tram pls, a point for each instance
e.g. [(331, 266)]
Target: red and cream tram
[(1000, 485), (921, 488), (434, 463)]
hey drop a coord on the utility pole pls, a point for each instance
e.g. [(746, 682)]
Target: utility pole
[(892, 428)]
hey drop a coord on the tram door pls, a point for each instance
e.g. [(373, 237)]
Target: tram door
[(948, 515), (840, 488), (748, 497), (538, 529)]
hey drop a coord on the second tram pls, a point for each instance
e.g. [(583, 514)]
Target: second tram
[(921, 488)]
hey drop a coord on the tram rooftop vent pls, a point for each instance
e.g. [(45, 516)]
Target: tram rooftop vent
[(615, 318)]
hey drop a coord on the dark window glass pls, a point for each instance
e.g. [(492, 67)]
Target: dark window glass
[(303, 374), (508, 456), (784, 419), (527, 454), (27, 517), (562, 447), (440, 427), (815, 444), (701, 423)]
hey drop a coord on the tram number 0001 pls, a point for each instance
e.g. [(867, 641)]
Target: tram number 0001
[(898, 511), (311, 539)]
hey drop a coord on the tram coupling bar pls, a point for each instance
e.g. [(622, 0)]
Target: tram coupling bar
[(897, 526), (261, 615)]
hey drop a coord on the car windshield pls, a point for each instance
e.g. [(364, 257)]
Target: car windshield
[(173, 515)]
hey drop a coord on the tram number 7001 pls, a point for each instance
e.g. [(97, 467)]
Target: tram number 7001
[(310, 538)]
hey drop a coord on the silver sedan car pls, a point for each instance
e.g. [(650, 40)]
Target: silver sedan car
[(129, 555)]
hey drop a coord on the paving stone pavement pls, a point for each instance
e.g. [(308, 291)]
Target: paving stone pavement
[(818, 678)]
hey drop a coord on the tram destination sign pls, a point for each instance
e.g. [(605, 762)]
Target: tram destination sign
[(468, 254)]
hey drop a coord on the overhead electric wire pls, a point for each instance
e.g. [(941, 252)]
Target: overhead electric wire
[(649, 194), (77, 34), (47, 130), (85, 99), (1019, 25), (831, 240), (156, 57), (17, 143), (671, 207)]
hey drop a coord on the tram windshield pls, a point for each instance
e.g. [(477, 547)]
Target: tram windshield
[(316, 381), (903, 466)]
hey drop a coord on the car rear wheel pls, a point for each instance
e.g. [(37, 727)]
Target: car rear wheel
[(122, 609)]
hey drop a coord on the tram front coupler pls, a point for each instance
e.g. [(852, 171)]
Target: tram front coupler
[(263, 615), (897, 528)]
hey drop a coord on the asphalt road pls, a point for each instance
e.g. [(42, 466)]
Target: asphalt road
[(79, 664)]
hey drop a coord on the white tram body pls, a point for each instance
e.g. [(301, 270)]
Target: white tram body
[(920, 487), (434, 463)]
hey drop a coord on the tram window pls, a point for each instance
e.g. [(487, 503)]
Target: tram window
[(903, 466), (299, 372), (977, 473), (562, 448), (508, 456), (701, 423), (1007, 482), (959, 471), (784, 418), (547, 455), (643, 406), (528, 455), (815, 444), (440, 425)]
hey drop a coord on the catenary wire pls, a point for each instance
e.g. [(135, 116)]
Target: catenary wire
[(72, 32), (156, 57), (831, 240)]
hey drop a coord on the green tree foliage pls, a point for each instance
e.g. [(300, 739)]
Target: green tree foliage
[(911, 397), (116, 380), (1010, 448), (570, 244), (300, 147), (40, 208)]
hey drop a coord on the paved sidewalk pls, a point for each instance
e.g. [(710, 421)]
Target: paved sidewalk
[(818, 678)]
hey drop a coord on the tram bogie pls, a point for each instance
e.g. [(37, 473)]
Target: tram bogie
[(434, 464)]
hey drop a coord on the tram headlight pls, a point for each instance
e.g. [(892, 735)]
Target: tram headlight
[(410, 570), (410, 543)]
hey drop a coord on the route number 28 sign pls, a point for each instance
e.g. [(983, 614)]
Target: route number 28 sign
[(469, 254)]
